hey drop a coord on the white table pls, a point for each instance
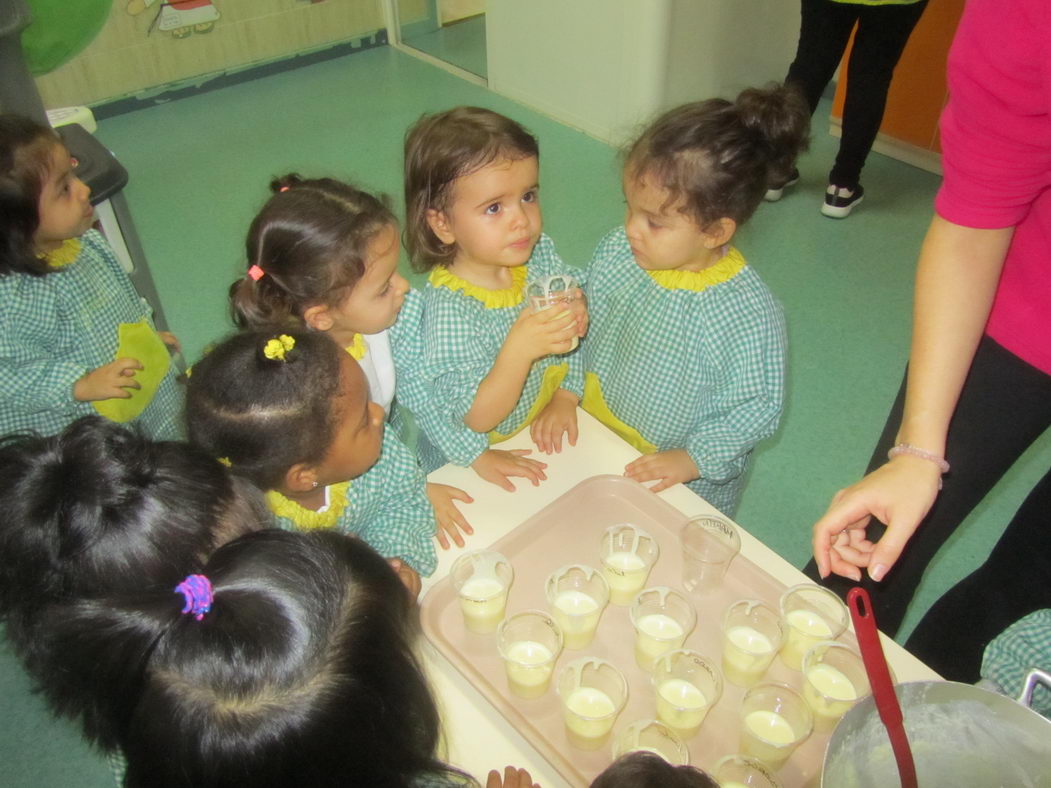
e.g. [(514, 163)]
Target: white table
[(478, 737)]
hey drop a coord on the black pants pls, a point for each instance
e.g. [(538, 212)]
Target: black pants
[(1014, 582), (1004, 406), (881, 37)]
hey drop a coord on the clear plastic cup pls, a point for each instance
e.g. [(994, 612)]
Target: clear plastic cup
[(775, 720), (662, 618), (593, 692), (709, 544), (628, 554), (651, 736), (482, 579), (752, 635), (740, 771), (687, 685), (810, 614), (834, 679), (549, 291), (576, 596), (529, 643)]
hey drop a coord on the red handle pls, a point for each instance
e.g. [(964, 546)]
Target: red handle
[(882, 684)]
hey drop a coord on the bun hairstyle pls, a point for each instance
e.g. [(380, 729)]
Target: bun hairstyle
[(263, 401), (716, 157), (302, 672), (440, 148), (25, 162), (307, 246), (99, 509)]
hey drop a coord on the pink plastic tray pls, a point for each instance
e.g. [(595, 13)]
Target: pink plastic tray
[(568, 531)]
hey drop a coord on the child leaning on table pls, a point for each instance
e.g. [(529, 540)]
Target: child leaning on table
[(489, 366), (323, 255), (290, 412), (75, 336), (685, 358)]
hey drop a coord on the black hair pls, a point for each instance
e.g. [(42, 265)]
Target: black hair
[(100, 509), (440, 148), (309, 241), (716, 157), (266, 414), (25, 162), (647, 770), (302, 673)]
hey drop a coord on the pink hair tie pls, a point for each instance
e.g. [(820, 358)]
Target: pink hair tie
[(197, 591), (284, 188), (255, 272)]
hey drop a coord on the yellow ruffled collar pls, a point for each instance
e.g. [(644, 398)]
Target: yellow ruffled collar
[(726, 269), (306, 519), (492, 299), (357, 347), (64, 255)]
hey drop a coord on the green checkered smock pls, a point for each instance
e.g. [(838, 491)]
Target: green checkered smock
[(1024, 645), (698, 367), (460, 337), (56, 328), (387, 506)]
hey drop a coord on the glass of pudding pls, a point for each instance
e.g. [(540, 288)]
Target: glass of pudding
[(810, 614), (774, 721), (651, 736), (576, 596), (662, 618), (834, 679), (709, 544), (482, 579), (549, 291), (628, 554), (593, 692), (687, 686), (740, 771), (529, 643), (752, 635)]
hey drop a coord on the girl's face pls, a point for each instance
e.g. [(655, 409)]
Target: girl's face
[(662, 238), (63, 206), (359, 434), (493, 216), (375, 300)]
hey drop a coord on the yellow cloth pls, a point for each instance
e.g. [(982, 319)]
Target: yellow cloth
[(141, 342), (307, 519), (727, 268), (64, 255), (493, 299), (549, 384), (357, 347), (595, 404)]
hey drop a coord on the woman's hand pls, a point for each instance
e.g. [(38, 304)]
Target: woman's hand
[(670, 467), (558, 418), (497, 465), (110, 381), (899, 493), (450, 520)]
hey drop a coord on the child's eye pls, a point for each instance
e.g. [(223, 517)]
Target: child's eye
[(386, 288), (530, 196), (653, 225), (493, 209)]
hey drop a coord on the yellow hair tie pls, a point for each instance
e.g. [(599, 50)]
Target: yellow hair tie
[(225, 461), (277, 349)]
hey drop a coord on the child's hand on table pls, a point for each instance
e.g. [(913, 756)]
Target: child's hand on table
[(450, 520), (110, 381), (408, 576), (669, 467), (511, 778), (558, 418), (496, 465)]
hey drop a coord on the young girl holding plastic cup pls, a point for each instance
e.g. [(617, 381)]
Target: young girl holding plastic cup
[(490, 365), (685, 358)]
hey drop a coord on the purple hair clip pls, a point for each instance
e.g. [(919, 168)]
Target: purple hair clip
[(197, 590)]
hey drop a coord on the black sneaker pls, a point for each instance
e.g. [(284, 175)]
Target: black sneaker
[(775, 193), (840, 201)]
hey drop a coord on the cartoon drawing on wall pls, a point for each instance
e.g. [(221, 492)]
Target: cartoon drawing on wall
[(179, 17)]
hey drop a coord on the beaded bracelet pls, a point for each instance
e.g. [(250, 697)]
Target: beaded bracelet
[(923, 454)]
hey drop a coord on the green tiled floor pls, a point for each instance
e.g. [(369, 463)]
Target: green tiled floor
[(199, 170)]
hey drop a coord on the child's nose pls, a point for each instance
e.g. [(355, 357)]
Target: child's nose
[(85, 190), (401, 284)]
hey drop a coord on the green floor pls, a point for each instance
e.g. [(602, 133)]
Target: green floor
[(199, 170), (461, 43)]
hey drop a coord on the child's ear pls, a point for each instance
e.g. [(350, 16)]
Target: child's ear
[(301, 478), (439, 225), (719, 232), (317, 317)]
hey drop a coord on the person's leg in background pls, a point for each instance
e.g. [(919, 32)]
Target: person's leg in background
[(1013, 582), (1005, 405), (881, 36)]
